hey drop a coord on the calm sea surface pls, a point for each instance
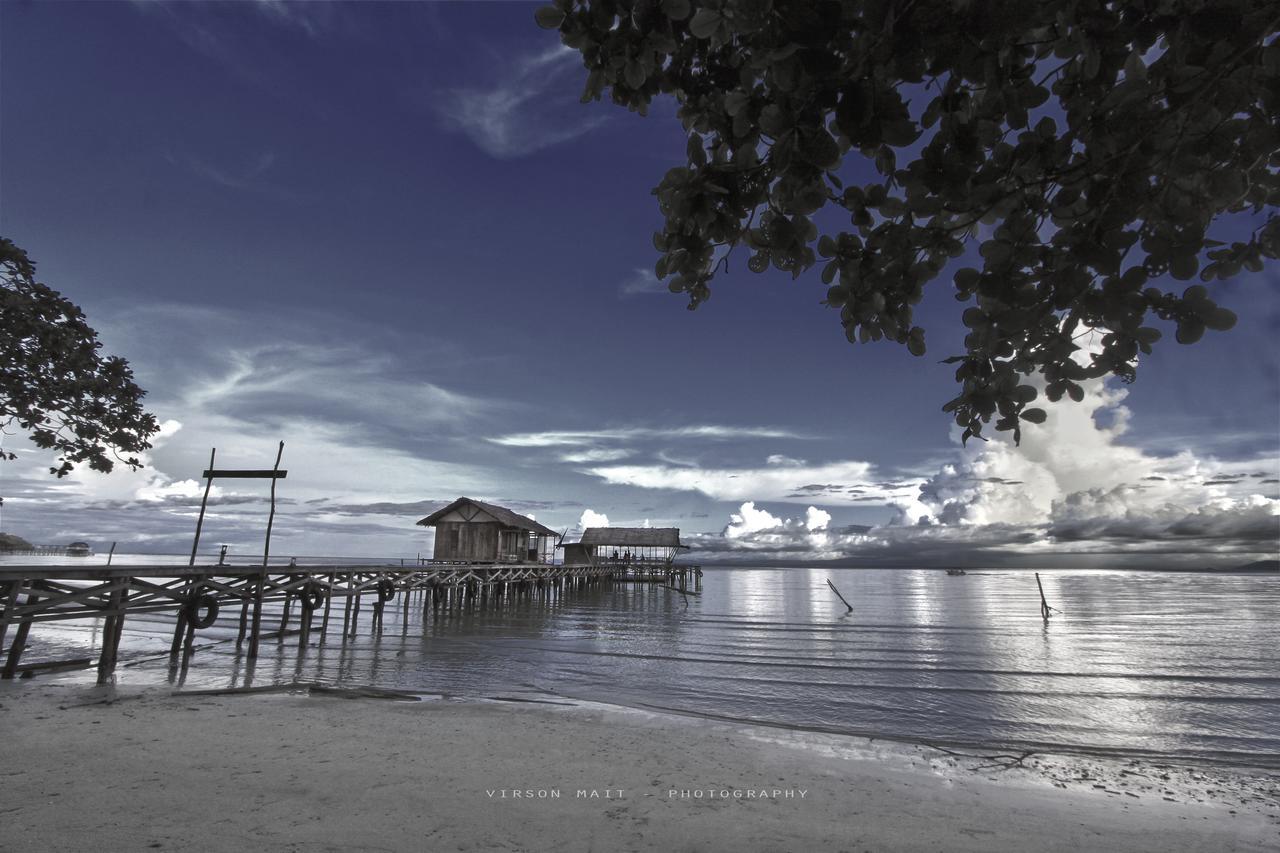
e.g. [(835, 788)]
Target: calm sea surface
[(1181, 665)]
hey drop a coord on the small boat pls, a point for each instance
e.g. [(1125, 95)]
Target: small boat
[(79, 549), (956, 571)]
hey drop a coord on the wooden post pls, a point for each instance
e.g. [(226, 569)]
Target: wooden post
[(180, 629), (1044, 605), (11, 601), (19, 642), (355, 613), (111, 553), (284, 617), (255, 629), (266, 548), (244, 611), (328, 600), (111, 632), (838, 595), (203, 502), (346, 605)]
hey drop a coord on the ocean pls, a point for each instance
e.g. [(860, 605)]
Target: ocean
[(1178, 666)]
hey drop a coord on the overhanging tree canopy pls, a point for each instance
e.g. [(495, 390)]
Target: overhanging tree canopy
[(1087, 146), (54, 382)]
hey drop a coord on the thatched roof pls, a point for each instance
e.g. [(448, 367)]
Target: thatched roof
[(501, 513), (634, 537)]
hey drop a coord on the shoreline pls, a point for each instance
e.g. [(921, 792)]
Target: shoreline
[(117, 768), (141, 661)]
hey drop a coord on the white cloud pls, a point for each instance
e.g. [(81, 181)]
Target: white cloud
[(641, 281), (752, 528), (1073, 490), (780, 479), (1074, 474), (579, 457), (527, 111), (588, 438), (591, 518), (748, 520)]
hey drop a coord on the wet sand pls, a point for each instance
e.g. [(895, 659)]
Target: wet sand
[(104, 769)]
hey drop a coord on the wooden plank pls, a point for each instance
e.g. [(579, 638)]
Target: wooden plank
[(245, 474)]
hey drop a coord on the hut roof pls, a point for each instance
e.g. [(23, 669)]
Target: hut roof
[(636, 537), (501, 513)]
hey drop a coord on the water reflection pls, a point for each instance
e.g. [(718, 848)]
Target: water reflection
[(1152, 663)]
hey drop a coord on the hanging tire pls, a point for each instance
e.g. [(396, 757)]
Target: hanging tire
[(386, 590), (197, 604), (313, 595)]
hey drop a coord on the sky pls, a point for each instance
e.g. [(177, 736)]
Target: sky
[(391, 236)]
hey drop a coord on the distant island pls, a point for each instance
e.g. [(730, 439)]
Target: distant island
[(10, 542), (1260, 566)]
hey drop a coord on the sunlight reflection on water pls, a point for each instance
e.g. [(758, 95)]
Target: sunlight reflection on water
[(1177, 664)]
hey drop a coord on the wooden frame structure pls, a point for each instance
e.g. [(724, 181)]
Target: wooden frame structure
[(198, 594)]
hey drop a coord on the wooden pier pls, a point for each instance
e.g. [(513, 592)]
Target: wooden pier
[(315, 596)]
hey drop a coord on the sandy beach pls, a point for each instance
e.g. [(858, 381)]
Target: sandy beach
[(106, 769)]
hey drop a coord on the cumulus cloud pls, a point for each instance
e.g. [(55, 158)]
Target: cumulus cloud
[(1074, 490), (591, 518), (1077, 480), (755, 529)]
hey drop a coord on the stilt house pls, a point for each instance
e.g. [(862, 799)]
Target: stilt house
[(642, 545), (473, 531)]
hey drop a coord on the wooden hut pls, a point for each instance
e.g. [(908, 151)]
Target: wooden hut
[(643, 545), (473, 531)]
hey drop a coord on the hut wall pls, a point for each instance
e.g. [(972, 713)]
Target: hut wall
[(461, 540)]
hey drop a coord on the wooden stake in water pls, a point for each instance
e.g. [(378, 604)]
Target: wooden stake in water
[(838, 595), (1044, 605)]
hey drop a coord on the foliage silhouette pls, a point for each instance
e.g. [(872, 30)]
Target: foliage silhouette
[(54, 382), (1086, 146)]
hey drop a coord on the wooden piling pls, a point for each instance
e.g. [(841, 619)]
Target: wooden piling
[(19, 641), (111, 632), (284, 617), (328, 601), (255, 629), (11, 601)]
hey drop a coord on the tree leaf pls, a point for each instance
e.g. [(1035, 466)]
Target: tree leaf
[(548, 17), (705, 22)]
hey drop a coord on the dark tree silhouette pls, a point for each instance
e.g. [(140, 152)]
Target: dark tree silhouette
[(54, 382), (1087, 146)]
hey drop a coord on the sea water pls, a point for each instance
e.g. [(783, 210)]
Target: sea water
[(1177, 665)]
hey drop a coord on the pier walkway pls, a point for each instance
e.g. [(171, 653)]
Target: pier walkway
[(200, 596)]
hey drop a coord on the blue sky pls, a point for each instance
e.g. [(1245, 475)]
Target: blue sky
[(390, 235)]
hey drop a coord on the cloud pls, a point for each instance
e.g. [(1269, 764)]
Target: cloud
[(591, 518), (641, 281), (358, 423), (524, 113), (779, 479), (579, 457), (1075, 492), (754, 529), (248, 175), (1075, 478), (587, 438)]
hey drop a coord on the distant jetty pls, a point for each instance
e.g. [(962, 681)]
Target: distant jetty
[(11, 545)]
